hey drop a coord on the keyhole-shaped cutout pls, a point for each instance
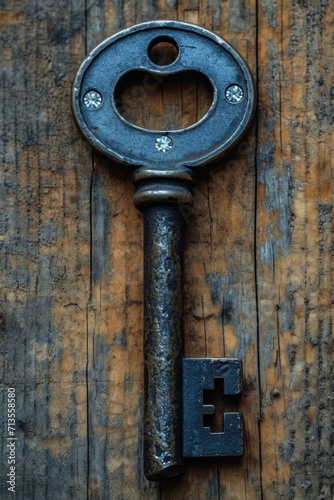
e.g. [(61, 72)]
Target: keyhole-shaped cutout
[(164, 103)]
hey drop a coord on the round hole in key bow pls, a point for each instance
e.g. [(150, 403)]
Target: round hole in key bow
[(169, 102), (163, 51)]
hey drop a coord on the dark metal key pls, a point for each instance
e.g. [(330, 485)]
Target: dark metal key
[(163, 163)]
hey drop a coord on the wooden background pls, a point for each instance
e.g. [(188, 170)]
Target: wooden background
[(259, 259)]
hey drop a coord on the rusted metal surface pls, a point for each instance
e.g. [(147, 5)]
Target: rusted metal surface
[(163, 306)]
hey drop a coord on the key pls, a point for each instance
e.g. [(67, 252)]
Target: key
[(163, 163)]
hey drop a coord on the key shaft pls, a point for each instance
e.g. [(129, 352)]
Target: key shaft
[(163, 340), (160, 196)]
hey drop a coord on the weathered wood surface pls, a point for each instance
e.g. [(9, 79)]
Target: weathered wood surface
[(259, 260)]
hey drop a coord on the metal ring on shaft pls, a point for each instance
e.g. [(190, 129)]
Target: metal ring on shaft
[(162, 187)]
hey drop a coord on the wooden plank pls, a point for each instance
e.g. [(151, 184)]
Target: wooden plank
[(220, 301), (258, 263), (115, 318), (45, 250), (294, 247)]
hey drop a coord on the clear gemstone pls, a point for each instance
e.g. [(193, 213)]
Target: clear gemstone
[(92, 99), (163, 143), (234, 93)]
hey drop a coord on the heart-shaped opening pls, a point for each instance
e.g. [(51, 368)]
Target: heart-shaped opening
[(158, 102)]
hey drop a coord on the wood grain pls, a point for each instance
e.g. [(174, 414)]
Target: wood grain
[(45, 250), (294, 247), (258, 263)]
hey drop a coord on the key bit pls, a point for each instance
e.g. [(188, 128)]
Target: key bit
[(163, 163)]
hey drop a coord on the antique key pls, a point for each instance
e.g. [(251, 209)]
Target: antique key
[(163, 163)]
